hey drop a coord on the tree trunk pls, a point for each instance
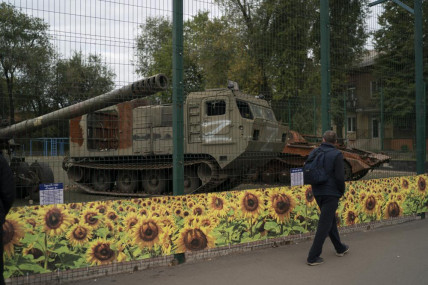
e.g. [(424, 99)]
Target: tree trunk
[(9, 81)]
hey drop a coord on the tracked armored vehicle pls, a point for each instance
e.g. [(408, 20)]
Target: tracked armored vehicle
[(127, 149), (28, 177)]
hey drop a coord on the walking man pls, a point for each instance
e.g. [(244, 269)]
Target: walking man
[(327, 196), (7, 195)]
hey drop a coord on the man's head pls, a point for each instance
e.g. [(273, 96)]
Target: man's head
[(330, 137)]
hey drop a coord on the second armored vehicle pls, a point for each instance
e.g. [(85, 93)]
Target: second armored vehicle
[(127, 149)]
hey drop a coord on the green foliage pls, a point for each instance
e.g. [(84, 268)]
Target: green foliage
[(80, 78), (25, 52), (395, 62), (348, 35)]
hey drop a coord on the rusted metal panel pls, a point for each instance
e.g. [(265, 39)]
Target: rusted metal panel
[(125, 124), (76, 132)]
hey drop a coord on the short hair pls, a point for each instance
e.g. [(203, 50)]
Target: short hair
[(330, 136)]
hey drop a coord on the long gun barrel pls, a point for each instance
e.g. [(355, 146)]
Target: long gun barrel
[(139, 89)]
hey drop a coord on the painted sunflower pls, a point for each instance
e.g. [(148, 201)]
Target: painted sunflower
[(55, 220), (147, 232), (370, 204), (422, 185), (130, 221), (217, 204), (281, 204), (251, 204), (309, 196), (350, 216), (13, 232), (198, 210), (193, 239), (90, 217), (393, 209), (79, 234), (100, 252)]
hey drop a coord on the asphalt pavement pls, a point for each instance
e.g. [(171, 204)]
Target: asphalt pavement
[(396, 254)]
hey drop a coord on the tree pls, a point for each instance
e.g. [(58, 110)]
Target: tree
[(24, 46), (154, 55), (348, 35), (80, 78), (395, 62)]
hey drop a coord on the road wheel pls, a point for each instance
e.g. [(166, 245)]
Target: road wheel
[(127, 181), (154, 181), (284, 176), (191, 181), (101, 180), (268, 176)]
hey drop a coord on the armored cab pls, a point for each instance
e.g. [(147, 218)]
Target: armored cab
[(28, 177), (127, 149)]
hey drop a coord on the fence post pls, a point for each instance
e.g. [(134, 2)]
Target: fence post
[(177, 100), (325, 65), (420, 102)]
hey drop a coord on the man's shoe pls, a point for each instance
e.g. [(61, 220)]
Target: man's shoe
[(340, 254), (317, 261)]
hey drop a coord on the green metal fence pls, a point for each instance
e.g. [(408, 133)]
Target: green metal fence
[(345, 65)]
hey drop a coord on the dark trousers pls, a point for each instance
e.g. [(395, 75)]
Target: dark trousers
[(326, 227)]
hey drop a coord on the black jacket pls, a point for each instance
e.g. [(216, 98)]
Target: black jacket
[(7, 188), (333, 164)]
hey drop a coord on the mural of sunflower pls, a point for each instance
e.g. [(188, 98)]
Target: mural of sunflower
[(90, 218), (79, 234), (101, 208), (350, 216), (112, 215), (193, 239), (370, 204), (147, 232), (281, 204), (130, 221), (209, 221), (217, 204), (404, 183), (198, 210), (55, 220), (251, 204), (13, 232), (393, 209), (422, 185), (100, 252), (309, 196)]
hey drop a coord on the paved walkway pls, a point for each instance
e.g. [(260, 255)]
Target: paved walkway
[(390, 255)]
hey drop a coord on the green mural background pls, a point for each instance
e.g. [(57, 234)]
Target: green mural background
[(40, 239)]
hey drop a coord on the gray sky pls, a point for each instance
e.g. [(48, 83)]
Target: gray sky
[(109, 27), (104, 27)]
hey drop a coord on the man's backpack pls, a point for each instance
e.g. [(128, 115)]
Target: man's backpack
[(314, 172)]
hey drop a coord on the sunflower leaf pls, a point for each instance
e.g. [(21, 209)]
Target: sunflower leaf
[(32, 238), (34, 268), (269, 226)]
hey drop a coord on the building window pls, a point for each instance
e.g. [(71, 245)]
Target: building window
[(352, 124), (375, 128), (374, 88), (352, 97)]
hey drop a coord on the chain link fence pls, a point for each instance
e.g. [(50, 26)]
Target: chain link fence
[(56, 55)]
